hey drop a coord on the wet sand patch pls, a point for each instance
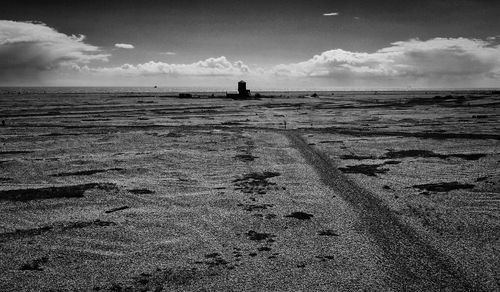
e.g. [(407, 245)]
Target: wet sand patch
[(34, 265), (253, 207), (366, 169), (74, 191), (155, 281), (141, 191), (426, 153), (61, 134), (86, 172), (246, 157), (255, 182), (356, 157), (444, 186), (258, 236), (20, 233), (299, 215), (328, 232)]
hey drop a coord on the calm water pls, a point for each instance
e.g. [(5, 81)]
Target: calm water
[(207, 90)]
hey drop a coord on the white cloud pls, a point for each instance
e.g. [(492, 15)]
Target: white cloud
[(124, 46), (28, 48), (210, 67), (168, 53), (30, 51), (438, 59), (331, 14)]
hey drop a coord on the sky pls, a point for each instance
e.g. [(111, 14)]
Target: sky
[(270, 44)]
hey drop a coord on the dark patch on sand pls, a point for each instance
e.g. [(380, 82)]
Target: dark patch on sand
[(61, 134), (255, 182), (214, 259), (116, 209), (20, 233), (155, 281), (257, 236), (34, 265), (448, 100), (411, 153), (469, 156), (231, 123), (271, 216), (264, 248), (444, 186), (141, 191), (246, 157), (83, 224), (212, 255), (393, 162), (424, 135), (324, 258), (24, 233), (74, 191), (366, 169), (328, 232), (355, 157), (427, 153), (173, 135), (253, 207), (300, 215), (87, 172)]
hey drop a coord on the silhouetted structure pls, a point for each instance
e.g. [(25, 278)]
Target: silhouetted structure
[(243, 92), (242, 89)]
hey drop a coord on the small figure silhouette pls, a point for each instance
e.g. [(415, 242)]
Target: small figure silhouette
[(3, 123)]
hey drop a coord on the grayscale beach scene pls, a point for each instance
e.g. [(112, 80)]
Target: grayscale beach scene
[(250, 146)]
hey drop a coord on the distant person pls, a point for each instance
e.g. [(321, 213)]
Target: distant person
[(3, 123)]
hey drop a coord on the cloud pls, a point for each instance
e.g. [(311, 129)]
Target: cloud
[(31, 53), (436, 60), (29, 48), (210, 67), (168, 53), (331, 14), (124, 46)]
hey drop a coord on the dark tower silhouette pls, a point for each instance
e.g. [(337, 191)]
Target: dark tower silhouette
[(242, 89)]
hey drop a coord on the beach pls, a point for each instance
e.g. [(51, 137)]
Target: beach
[(116, 190)]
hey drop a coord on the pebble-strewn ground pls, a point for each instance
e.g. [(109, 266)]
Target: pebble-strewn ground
[(144, 191)]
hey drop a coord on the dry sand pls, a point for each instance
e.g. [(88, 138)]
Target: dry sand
[(142, 192)]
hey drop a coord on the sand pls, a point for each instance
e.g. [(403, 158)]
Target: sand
[(387, 191)]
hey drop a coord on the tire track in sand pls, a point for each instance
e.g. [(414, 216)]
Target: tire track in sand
[(416, 265)]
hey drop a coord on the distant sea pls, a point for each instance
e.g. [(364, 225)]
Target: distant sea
[(173, 90)]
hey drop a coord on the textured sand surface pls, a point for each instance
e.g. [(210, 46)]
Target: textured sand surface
[(144, 192)]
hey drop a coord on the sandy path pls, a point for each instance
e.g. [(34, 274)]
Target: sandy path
[(416, 265), (222, 228)]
